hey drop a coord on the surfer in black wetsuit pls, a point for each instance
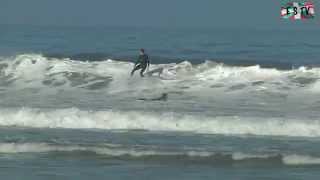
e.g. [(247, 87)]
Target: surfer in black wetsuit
[(142, 63)]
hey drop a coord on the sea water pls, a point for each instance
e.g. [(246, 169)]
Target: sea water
[(241, 103)]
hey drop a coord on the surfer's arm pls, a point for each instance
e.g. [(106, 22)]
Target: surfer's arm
[(138, 61)]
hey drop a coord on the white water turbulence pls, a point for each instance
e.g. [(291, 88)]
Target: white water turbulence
[(210, 97), (31, 70), (180, 155), (174, 122)]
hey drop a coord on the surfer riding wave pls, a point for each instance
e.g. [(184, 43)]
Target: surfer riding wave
[(142, 63)]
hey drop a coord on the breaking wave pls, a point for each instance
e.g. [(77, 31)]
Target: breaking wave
[(34, 71), (153, 154), (158, 121), (39, 71)]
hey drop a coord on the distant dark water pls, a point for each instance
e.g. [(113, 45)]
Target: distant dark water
[(269, 48)]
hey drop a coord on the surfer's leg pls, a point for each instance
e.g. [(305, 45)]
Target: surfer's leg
[(143, 68), (135, 68)]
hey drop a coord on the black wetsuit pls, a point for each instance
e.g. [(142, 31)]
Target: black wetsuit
[(142, 63)]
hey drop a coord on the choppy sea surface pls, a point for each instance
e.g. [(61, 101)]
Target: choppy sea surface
[(221, 104)]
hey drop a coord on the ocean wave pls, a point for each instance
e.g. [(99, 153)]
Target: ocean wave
[(160, 155), (34, 70), (157, 121), (301, 160)]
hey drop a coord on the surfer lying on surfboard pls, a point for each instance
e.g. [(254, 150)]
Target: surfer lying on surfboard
[(142, 63), (163, 97)]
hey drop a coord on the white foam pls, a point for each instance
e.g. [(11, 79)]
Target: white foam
[(244, 74), (34, 148), (301, 160), (157, 121), (9, 148), (287, 159), (242, 156), (33, 69), (107, 150)]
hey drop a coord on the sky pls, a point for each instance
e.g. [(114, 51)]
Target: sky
[(155, 13)]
